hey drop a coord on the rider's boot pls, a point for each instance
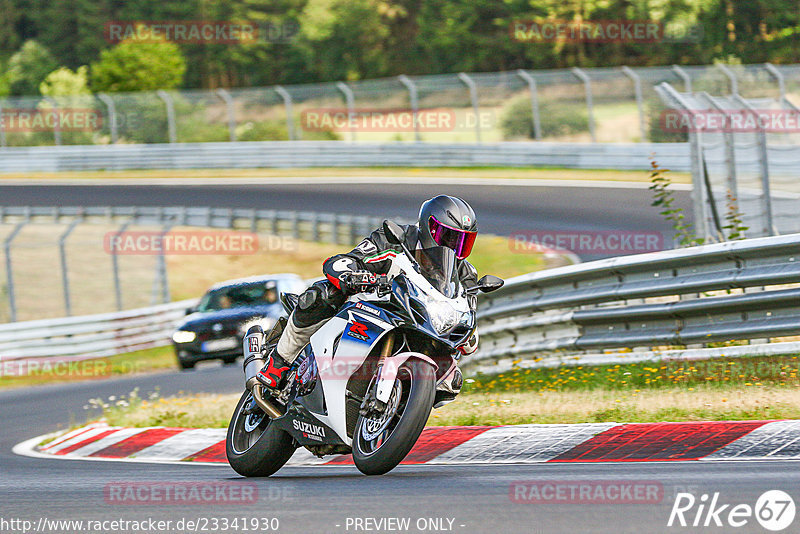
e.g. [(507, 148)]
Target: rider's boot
[(292, 341), (275, 373)]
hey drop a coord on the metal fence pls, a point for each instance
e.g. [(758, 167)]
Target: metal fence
[(745, 159), (682, 304), (605, 105), (56, 262)]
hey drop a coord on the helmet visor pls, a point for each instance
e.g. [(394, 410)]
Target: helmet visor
[(460, 241)]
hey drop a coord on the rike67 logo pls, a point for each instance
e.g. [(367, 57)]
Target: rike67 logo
[(774, 510)]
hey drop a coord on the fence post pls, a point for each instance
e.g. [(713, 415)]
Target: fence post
[(350, 100), (12, 301), (2, 127), (314, 227), (730, 147), (62, 250), (412, 97), (112, 116), (731, 77), (287, 103), (537, 123), (778, 75), (587, 82), (473, 96), (226, 97), (699, 196), (637, 87), (56, 120), (115, 265), (161, 268), (766, 197), (163, 95), (683, 75)]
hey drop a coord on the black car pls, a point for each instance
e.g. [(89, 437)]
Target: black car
[(214, 329)]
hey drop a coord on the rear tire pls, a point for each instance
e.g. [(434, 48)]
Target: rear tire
[(261, 451), (416, 391)]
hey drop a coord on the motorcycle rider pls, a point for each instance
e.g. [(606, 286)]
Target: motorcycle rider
[(443, 221)]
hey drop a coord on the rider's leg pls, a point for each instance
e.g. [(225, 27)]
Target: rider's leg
[(315, 306)]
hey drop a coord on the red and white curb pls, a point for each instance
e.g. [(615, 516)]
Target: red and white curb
[(600, 442)]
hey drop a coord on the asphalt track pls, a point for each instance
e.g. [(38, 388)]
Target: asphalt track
[(320, 500)]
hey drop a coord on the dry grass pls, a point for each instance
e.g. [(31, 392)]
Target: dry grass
[(38, 277), (190, 411), (702, 404), (620, 406), (377, 172), (190, 276)]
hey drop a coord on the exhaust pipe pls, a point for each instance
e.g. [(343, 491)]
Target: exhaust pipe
[(257, 390), (251, 348), (253, 363)]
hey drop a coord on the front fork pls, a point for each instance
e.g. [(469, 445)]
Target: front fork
[(372, 407)]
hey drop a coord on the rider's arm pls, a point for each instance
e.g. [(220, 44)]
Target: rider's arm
[(469, 278), (467, 274), (372, 254)]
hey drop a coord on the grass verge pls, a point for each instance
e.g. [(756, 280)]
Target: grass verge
[(716, 390), (142, 361)]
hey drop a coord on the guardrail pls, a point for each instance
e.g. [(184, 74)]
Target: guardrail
[(341, 154), (649, 304), (91, 336), (318, 227)]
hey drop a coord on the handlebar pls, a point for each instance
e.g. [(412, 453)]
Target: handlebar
[(365, 281)]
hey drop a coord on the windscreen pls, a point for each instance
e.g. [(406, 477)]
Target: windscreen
[(239, 296), (438, 266)]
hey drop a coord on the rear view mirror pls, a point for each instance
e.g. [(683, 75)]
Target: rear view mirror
[(490, 283), (190, 311), (394, 232)]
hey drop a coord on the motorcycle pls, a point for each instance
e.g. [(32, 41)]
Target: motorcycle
[(369, 378)]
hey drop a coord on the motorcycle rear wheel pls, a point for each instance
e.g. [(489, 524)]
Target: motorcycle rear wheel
[(254, 446), (380, 444)]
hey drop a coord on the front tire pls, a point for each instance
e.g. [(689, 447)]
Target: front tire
[(254, 446), (379, 445)]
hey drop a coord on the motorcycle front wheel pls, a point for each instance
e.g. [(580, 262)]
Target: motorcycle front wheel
[(381, 443), (254, 446)]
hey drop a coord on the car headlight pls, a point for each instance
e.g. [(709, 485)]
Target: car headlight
[(183, 336)]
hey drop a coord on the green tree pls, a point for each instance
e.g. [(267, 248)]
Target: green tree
[(65, 82), (345, 39), (138, 66), (28, 68)]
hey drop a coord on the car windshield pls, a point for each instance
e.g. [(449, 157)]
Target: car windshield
[(438, 266), (239, 296)]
